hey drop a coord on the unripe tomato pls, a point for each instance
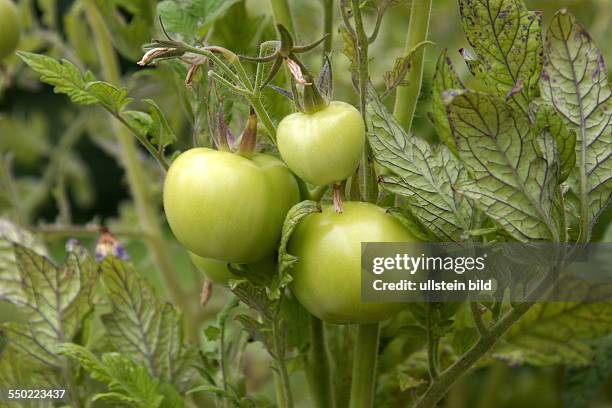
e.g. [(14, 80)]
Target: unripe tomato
[(327, 276), (215, 270), (224, 206), (325, 146), (218, 271), (9, 28)]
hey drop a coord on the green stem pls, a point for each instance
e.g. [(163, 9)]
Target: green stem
[(407, 96), (283, 390), (147, 214), (328, 25), (440, 386), (432, 343), (264, 117), (282, 14), (364, 366), (318, 368)]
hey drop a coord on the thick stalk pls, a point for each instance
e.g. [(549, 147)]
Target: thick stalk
[(282, 14), (283, 390), (369, 192), (364, 366), (407, 96), (147, 215), (318, 368)]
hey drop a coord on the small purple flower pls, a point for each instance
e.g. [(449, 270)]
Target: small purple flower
[(108, 245)]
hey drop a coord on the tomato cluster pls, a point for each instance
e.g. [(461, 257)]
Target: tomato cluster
[(227, 208)]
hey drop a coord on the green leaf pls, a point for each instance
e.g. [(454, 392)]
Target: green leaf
[(575, 81), (555, 333), (258, 331), (193, 18), (57, 299), (581, 384), (129, 383), (549, 121), (286, 261), (139, 122), (445, 78), (160, 131), (10, 280), (507, 39), (20, 371), (512, 182), (396, 77), (109, 96), (64, 76), (142, 326), (406, 382), (422, 174)]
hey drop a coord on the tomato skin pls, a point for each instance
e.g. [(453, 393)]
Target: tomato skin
[(9, 28), (327, 277), (325, 146), (218, 271), (224, 206)]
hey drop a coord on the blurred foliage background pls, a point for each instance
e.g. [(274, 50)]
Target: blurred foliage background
[(59, 164)]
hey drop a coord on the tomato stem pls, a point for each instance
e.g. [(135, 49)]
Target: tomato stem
[(407, 96), (249, 136), (364, 366), (318, 368), (337, 198)]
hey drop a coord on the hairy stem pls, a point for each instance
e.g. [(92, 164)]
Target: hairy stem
[(318, 368), (147, 214), (407, 96), (283, 390), (364, 366), (432, 345)]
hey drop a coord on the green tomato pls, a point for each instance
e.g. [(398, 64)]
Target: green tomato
[(327, 276), (218, 271), (224, 206), (9, 28), (323, 147)]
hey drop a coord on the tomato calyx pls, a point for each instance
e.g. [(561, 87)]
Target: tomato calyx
[(248, 138)]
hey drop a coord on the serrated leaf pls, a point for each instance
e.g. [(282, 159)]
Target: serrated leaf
[(10, 281), (142, 326), (445, 78), (286, 261), (581, 384), (128, 382), (401, 66), (160, 131), (512, 183), (254, 297), (20, 371), (192, 18), (555, 333), (575, 81), (507, 39), (548, 121), (56, 300), (109, 96), (64, 76), (140, 122), (422, 174)]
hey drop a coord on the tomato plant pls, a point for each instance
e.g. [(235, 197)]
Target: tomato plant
[(261, 142)]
